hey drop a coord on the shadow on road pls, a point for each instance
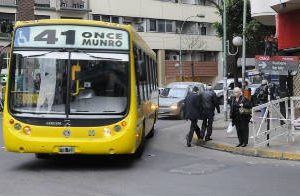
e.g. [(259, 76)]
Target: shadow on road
[(69, 163), (168, 118)]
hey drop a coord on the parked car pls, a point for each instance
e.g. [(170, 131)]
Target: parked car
[(219, 88), (172, 97)]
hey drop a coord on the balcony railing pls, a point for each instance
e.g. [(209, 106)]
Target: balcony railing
[(73, 4), (8, 2), (42, 3)]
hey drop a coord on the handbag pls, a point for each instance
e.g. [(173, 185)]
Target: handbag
[(245, 111)]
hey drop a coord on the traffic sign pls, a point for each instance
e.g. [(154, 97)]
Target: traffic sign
[(277, 65)]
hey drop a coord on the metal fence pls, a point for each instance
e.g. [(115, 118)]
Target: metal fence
[(270, 121)]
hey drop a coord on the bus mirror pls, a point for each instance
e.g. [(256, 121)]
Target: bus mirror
[(142, 71)]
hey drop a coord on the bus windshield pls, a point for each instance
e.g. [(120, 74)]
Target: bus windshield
[(66, 83)]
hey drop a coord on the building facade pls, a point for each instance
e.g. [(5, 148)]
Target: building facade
[(285, 14), (159, 22)]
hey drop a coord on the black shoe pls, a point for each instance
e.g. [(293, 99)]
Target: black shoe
[(208, 139), (188, 144), (239, 145), (244, 145)]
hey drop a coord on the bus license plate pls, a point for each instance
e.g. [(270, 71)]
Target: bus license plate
[(66, 150)]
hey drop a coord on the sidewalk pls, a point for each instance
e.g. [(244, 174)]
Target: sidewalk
[(279, 148)]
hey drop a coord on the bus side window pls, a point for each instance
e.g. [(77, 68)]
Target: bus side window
[(155, 74), (149, 80), (152, 73), (146, 78), (136, 60), (142, 82)]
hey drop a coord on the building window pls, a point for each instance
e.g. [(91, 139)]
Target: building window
[(115, 19), (203, 30), (40, 17), (152, 25), (169, 26), (106, 18), (6, 23), (96, 17), (68, 17), (161, 25)]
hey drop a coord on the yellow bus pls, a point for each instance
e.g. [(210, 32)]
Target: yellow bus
[(79, 87)]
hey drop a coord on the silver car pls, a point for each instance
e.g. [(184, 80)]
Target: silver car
[(172, 97)]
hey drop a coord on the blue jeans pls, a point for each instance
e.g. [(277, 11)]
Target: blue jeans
[(262, 110)]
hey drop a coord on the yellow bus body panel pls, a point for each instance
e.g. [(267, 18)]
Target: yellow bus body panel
[(48, 139)]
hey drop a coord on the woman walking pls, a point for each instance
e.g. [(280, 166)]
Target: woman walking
[(240, 114)]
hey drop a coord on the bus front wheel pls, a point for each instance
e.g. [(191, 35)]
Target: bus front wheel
[(42, 156), (151, 133), (140, 150)]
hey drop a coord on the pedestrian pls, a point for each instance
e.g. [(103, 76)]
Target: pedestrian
[(261, 95), (209, 104), (240, 114), (192, 108)]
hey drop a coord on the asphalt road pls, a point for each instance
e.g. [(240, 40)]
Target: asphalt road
[(167, 168)]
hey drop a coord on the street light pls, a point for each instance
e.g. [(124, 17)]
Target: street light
[(225, 50), (237, 41), (180, 46)]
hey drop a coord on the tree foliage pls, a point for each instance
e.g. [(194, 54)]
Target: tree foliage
[(255, 31)]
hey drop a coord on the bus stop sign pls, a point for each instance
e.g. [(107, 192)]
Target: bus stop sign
[(277, 65)]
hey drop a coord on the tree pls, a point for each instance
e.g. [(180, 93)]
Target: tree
[(255, 31)]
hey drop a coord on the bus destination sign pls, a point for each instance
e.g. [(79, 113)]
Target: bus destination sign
[(71, 36)]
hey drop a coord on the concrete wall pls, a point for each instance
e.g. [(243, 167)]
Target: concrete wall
[(154, 9), (261, 10), (170, 41)]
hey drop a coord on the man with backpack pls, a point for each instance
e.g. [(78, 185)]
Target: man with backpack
[(261, 95)]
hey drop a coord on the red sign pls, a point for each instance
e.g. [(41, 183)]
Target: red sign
[(277, 58), (288, 29)]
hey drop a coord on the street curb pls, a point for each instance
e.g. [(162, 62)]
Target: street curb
[(250, 151)]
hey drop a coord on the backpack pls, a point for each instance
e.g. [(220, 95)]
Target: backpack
[(263, 93)]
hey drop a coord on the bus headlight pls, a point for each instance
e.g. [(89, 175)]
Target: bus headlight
[(107, 132), (117, 128), (174, 106), (18, 126), (154, 107), (27, 130)]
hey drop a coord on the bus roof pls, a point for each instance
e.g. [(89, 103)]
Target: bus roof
[(134, 35)]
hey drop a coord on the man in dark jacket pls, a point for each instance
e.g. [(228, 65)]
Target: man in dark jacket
[(209, 104), (261, 95), (192, 104)]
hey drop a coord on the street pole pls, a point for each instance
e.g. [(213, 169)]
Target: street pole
[(225, 59), (244, 44), (180, 44), (180, 55)]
